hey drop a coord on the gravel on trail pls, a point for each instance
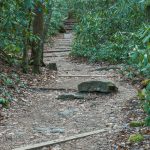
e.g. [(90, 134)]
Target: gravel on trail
[(41, 117)]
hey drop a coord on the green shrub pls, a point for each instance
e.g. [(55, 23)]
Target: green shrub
[(136, 138), (136, 124), (144, 94), (140, 56), (105, 30), (4, 102), (9, 84), (59, 14)]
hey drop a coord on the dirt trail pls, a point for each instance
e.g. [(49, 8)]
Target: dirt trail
[(42, 117)]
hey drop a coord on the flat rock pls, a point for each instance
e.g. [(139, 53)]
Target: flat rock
[(45, 148), (52, 66), (147, 137), (70, 96), (68, 112), (97, 86), (46, 130)]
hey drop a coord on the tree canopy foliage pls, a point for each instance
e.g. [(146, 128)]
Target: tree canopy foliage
[(24, 26), (106, 30), (116, 31)]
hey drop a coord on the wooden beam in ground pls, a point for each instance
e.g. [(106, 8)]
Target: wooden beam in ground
[(86, 75), (55, 56), (62, 140), (50, 89), (57, 51)]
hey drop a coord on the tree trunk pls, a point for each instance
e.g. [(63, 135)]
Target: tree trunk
[(26, 39), (148, 13), (45, 31), (25, 57), (37, 31)]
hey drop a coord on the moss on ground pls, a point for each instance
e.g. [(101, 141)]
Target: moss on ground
[(136, 138)]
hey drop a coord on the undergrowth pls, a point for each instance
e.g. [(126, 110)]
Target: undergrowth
[(116, 32), (10, 86), (106, 31)]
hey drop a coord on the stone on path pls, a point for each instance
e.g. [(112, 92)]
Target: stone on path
[(68, 112), (70, 96), (67, 36), (52, 66), (97, 86), (45, 148), (48, 130)]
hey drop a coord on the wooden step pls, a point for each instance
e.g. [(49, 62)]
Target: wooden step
[(55, 51), (59, 48)]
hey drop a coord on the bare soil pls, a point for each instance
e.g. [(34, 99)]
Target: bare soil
[(39, 116)]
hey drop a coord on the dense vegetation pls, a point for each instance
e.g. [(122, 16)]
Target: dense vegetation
[(116, 32), (24, 26), (106, 30)]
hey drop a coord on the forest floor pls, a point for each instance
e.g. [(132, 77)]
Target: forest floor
[(38, 116)]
